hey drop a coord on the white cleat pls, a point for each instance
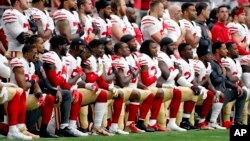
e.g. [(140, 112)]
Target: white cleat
[(174, 127), (118, 131), (216, 126), (18, 136), (77, 132)]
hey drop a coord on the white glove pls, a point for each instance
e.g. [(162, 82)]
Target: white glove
[(4, 95), (91, 86), (113, 90), (203, 92)]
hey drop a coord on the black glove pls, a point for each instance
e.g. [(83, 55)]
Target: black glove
[(33, 26), (23, 37), (196, 90)]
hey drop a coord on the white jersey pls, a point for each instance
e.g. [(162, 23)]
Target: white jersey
[(93, 63), (171, 68), (121, 63), (151, 25), (103, 26), (4, 67), (124, 25), (29, 69), (107, 62), (71, 16), (202, 70), (233, 65), (241, 29), (88, 28), (174, 30), (153, 68), (72, 65), (13, 18), (193, 28), (47, 22), (52, 57), (187, 69), (133, 61)]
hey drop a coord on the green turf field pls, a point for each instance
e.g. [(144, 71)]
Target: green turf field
[(215, 135)]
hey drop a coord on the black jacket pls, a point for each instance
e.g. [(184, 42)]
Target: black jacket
[(44, 83), (205, 39), (219, 81)]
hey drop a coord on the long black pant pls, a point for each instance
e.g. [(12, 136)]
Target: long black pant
[(231, 95), (34, 115)]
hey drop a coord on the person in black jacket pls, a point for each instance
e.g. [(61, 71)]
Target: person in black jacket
[(230, 90), (203, 11)]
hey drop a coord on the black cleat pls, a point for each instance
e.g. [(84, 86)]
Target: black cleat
[(187, 125), (140, 124), (66, 132), (46, 134)]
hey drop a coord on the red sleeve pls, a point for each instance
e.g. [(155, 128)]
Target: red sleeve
[(91, 77), (3, 39), (65, 86), (102, 83), (146, 80), (53, 78), (242, 51)]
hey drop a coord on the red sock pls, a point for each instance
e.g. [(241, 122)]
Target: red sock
[(22, 108), (175, 103), (132, 111), (75, 109), (189, 106), (156, 107), (102, 97), (47, 108), (207, 103), (13, 108), (146, 105), (117, 108)]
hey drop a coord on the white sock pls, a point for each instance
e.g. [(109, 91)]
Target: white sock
[(72, 123), (202, 120), (114, 126), (185, 115), (152, 122), (20, 125), (172, 121), (13, 128), (216, 108), (63, 125), (100, 109)]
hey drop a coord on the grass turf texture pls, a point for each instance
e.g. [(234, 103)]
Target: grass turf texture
[(212, 135)]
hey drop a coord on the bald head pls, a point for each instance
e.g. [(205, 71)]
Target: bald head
[(130, 12), (175, 12)]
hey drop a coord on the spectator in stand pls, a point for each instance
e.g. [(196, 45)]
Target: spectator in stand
[(141, 8)]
